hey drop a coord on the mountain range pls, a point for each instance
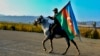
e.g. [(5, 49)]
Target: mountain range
[(30, 19), (18, 19)]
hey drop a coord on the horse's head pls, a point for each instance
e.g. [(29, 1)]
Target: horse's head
[(39, 20)]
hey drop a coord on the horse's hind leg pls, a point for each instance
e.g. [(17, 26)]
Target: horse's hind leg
[(51, 46), (44, 48), (68, 43), (75, 45)]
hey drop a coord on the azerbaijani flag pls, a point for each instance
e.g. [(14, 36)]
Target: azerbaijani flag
[(67, 21)]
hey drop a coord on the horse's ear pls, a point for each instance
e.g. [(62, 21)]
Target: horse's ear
[(41, 16)]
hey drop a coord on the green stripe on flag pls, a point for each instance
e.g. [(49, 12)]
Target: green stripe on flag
[(64, 25)]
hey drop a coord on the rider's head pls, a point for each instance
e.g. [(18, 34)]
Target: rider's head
[(55, 10)]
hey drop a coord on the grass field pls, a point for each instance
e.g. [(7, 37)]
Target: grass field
[(90, 32), (20, 27), (87, 32)]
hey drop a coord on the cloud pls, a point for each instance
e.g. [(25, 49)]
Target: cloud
[(4, 6)]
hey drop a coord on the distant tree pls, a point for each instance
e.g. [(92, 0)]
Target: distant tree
[(94, 25)]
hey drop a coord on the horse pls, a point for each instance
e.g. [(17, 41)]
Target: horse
[(43, 21)]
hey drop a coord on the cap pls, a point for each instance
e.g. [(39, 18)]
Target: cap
[(55, 9)]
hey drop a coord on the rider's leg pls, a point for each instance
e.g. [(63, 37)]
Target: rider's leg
[(52, 29)]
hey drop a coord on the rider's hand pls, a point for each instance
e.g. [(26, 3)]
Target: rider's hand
[(48, 17)]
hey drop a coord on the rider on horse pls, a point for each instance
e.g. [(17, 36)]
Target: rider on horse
[(56, 24)]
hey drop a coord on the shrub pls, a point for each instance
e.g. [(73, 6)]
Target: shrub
[(87, 34), (95, 34), (13, 28), (1, 27), (4, 27)]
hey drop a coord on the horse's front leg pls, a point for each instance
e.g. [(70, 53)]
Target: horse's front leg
[(51, 46), (43, 43), (68, 43), (76, 46)]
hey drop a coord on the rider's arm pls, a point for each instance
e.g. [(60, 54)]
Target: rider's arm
[(52, 18)]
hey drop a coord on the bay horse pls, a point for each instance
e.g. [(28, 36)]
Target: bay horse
[(43, 21)]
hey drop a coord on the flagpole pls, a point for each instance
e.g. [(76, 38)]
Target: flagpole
[(80, 37)]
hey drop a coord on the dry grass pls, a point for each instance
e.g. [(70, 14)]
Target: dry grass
[(87, 32), (90, 32), (20, 27)]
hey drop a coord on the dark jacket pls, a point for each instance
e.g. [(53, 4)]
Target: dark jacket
[(55, 21)]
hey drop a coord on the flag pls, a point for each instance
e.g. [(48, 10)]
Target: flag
[(67, 21)]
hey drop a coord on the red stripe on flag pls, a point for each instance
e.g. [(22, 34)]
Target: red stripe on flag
[(68, 19), (65, 13)]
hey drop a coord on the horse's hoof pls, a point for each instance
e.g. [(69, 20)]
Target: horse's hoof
[(79, 53), (50, 51), (44, 49), (63, 53)]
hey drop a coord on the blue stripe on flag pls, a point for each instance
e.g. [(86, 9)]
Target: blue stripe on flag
[(70, 11)]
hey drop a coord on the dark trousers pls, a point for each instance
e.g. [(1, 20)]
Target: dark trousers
[(52, 27)]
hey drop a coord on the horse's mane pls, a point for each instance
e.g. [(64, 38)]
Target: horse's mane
[(45, 21), (49, 20)]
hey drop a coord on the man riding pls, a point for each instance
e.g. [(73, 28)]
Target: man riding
[(56, 24)]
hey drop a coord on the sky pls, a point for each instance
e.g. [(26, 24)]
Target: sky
[(84, 10)]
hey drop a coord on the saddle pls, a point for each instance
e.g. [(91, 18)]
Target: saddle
[(57, 31)]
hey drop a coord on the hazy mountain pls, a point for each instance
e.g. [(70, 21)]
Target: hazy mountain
[(30, 19), (2, 15), (21, 19), (89, 23)]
